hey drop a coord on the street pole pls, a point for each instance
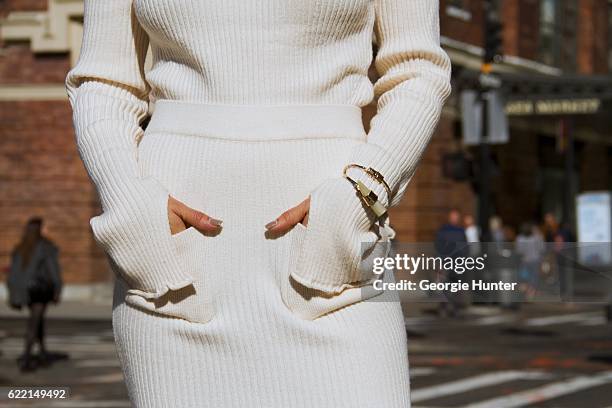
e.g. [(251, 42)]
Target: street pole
[(491, 35), (568, 205), (484, 172)]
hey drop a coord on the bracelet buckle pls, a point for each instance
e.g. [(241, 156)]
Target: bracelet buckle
[(369, 197)]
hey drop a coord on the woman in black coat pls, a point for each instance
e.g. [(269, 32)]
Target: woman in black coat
[(34, 281)]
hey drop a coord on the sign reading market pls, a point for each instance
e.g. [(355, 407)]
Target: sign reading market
[(574, 106)]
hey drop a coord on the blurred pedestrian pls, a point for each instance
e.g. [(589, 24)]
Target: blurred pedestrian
[(555, 231), (472, 234), (496, 229), (471, 230), (34, 281), (451, 242), (530, 247), (559, 267)]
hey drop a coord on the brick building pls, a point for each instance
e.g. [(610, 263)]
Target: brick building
[(41, 173)]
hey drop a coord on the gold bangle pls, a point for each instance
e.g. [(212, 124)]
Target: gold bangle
[(369, 197), (373, 174)]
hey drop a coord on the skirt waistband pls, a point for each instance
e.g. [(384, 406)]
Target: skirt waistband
[(257, 122)]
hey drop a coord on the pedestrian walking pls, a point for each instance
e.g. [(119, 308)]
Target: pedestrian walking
[(496, 229), (34, 281), (529, 246), (451, 242), (472, 234)]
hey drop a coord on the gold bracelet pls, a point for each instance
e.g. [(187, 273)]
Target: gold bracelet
[(373, 174), (369, 198)]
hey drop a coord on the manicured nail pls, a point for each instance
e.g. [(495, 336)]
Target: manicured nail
[(215, 222), (271, 224)]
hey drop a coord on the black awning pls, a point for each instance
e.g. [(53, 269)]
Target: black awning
[(540, 86)]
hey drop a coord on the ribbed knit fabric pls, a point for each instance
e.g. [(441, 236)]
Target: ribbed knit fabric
[(246, 336), (266, 92)]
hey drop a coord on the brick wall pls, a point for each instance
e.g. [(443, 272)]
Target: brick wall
[(593, 36), (40, 171), (520, 32), (22, 5), (521, 27), (468, 31), (41, 175), (46, 68)]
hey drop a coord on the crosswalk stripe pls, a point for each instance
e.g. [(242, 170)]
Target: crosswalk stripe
[(492, 320), (97, 363), (468, 384), (545, 392), (102, 379), (559, 319), (421, 371), (594, 321)]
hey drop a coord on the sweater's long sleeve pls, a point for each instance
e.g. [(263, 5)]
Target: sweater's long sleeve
[(413, 86), (109, 96)]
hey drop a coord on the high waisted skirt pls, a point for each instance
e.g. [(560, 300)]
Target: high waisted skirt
[(236, 339)]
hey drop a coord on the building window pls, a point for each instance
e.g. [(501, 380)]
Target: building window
[(458, 9), (549, 40), (557, 42)]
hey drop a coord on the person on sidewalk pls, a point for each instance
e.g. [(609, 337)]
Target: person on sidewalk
[(529, 246), (472, 234), (34, 280), (451, 242)]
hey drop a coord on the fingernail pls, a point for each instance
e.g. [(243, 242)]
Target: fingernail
[(271, 224), (215, 222)]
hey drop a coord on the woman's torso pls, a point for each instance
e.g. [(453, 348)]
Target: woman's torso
[(264, 52)]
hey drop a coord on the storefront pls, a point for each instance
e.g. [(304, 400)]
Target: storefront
[(559, 145)]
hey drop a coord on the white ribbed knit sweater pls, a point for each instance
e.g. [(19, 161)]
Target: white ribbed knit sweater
[(242, 52), (256, 106)]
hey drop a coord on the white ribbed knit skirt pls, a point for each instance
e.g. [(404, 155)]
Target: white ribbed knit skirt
[(236, 338)]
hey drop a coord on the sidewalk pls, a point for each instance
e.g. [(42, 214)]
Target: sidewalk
[(65, 310)]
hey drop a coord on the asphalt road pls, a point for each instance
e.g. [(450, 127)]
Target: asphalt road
[(542, 356)]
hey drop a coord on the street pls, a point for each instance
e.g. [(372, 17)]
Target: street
[(543, 355)]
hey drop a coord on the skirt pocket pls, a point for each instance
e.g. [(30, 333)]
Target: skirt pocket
[(309, 302), (192, 303)]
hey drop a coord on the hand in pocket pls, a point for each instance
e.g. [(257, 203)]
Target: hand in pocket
[(181, 217), (291, 217)]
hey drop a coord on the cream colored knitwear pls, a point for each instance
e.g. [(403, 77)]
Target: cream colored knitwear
[(264, 53)]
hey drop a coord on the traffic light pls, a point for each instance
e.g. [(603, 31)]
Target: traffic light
[(493, 40)]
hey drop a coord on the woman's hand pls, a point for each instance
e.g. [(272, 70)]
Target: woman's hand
[(290, 218), (182, 217)]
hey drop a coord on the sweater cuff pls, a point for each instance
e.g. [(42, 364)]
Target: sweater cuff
[(133, 228), (374, 156), (138, 240)]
